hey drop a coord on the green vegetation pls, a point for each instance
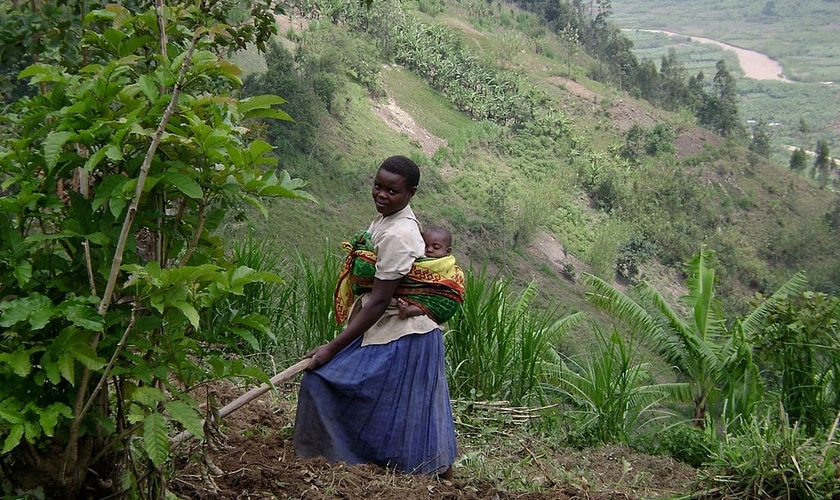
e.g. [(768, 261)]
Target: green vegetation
[(799, 35), (116, 173), (214, 283), (796, 37)]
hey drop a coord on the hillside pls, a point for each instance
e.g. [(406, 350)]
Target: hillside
[(547, 208), (146, 284)]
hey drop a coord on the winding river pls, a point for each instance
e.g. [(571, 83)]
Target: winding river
[(754, 64)]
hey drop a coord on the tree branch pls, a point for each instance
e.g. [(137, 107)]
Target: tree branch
[(141, 180)]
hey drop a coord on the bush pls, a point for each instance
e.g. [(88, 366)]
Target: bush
[(682, 442), (770, 458)]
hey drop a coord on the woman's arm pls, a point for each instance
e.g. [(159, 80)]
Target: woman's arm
[(380, 297)]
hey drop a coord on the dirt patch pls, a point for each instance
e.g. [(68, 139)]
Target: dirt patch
[(623, 115), (399, 120), (288, 22), (574, 88), (462, 26), (692, 141), (545, 246), (253, 459)]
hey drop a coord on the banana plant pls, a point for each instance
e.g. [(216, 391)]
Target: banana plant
[(712, 359)]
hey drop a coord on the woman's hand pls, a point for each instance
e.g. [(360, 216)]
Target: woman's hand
[(319, 356)]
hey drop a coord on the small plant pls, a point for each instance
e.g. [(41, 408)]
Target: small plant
[(682, 442), (569, 271), (607, 394), (497, 345), (769, 458)]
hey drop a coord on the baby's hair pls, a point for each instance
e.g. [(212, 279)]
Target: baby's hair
[(440, 232), (404, 167)]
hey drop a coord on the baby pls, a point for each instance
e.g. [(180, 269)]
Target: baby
[(438, 244)]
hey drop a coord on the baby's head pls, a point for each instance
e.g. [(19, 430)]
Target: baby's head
[(438, 241)]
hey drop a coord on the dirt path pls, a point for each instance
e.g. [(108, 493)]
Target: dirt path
[(754, 64), (399, 120)]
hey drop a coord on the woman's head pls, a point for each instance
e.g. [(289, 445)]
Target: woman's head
[(404, 167), (395, 184)]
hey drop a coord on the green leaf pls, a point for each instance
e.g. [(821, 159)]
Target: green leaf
[(36, 308), (270, 113), (189, 311), (84, 316), (18, 361), (13, 439), (147, 396), (98, 238), (53, 145), (42, 73), (94, 160), (31, 431), (155, 439), (106, 190), (23, 272), (10, 411), (264, 101), (113, 152), (66, 365), (248, 337), (51, 369), (86, 356), (149, 87), (184, 184), (186, 415)]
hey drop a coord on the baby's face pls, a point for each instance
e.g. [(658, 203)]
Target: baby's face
[(436, 247)]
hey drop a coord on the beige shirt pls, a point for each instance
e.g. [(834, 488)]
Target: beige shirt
[(398, 242)]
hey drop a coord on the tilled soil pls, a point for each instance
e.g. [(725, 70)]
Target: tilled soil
[(253, 459)]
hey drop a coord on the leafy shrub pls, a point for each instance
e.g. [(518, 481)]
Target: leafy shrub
[(686, 443), (607, 395), (637, 250), (800, 349)]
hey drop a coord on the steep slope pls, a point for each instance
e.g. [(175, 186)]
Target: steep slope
[(549, 207)]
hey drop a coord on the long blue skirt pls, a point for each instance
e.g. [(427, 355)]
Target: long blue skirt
[(382, 404)]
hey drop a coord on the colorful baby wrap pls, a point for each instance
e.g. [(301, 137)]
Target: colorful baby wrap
[(435, 285)]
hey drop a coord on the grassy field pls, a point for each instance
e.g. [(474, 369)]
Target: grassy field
[(800, 35), (783, 105)]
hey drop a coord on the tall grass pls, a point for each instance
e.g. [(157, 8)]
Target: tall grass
[(305, 318), (497, 344), (608, 394), (770, 458), (240, 321), (282, 318)]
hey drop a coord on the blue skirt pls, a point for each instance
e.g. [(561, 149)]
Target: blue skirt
[(383, 404)]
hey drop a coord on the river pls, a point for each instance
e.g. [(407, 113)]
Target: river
[(754, 64)]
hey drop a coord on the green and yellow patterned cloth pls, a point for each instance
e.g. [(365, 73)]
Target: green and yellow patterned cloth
[(435, 285)]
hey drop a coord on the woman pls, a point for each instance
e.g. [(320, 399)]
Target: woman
[(377, 392)]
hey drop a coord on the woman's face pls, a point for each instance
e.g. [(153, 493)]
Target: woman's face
[(390, 193)]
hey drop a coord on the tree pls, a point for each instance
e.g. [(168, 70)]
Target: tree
[(798, 160), (760, 142), (571, 39), (803, 125), (674, 91), (822, 162), (116, 171), (725, 117)]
